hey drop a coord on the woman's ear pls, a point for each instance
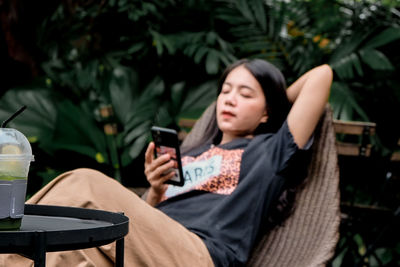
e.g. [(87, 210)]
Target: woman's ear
[(264, 117)]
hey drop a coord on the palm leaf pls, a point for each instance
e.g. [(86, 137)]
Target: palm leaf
[(387, 36), (348, 46), (78, 130), (258, 8), (376, 60), (38, 120), (344, 103), (345, 66), (123, 88), (198, 100), (212, 62)]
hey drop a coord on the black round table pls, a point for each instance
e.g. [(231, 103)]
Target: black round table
[(54, 228)]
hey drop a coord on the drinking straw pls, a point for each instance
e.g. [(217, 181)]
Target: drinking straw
[(3, 125)]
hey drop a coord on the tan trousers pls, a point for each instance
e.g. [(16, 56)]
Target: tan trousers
[(154, 239)]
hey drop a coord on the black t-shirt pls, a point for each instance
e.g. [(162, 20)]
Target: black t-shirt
[(229, 191)]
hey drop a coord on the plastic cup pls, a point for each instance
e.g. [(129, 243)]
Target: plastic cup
[(15, 158)]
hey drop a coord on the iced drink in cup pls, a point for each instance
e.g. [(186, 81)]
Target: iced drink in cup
[(15, 158)]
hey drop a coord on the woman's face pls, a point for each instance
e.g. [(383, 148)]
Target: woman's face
[(241, 105)]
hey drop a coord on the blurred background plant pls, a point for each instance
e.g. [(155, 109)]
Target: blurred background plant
[(96, 75)]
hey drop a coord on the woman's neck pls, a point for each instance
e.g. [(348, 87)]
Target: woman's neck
[(226, 138)]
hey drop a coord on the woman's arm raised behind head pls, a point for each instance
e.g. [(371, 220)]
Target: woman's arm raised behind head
[(309, 95)]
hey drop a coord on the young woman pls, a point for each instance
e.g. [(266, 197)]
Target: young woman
[(238, 179)]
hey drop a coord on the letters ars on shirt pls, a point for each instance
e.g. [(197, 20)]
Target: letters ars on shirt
[(216, 171)]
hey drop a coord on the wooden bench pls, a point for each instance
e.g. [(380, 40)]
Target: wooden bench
[(364, 130)]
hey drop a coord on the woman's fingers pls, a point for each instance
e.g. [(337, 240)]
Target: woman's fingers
[(150, 163), (161, 171), (149, 155), (156, 169), (165, 177), (158, 162), (158, 185)]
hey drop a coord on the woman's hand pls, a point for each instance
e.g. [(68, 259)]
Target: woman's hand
[(155, 170)]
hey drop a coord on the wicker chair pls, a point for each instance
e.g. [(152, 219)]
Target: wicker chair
[(309, 236)]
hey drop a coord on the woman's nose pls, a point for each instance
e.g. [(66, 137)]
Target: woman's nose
[(231, 99)]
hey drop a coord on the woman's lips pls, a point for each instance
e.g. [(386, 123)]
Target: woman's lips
[(227, 114)]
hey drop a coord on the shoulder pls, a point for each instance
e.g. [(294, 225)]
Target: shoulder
[(275, 149)]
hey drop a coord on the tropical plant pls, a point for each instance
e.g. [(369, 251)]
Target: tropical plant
[(173, 47)]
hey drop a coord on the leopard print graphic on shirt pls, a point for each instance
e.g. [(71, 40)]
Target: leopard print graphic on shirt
[(216, 171)]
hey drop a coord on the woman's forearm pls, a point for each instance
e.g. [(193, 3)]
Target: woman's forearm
[(294, 89)]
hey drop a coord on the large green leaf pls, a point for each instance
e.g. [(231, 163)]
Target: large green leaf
[(212, 62), (123, 88), (138, 146), (258, 8), (161, 41), (198, 100), (376, 60), (347, 47), (38, 120), (145, 106), (177, 94), (346, 65), (385, 37), (344, 103), (77, 131), (140, 116), (244, 8)]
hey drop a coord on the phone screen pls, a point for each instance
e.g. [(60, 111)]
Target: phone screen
[(166, 141)]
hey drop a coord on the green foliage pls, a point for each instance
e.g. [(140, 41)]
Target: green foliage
[(156, 61)]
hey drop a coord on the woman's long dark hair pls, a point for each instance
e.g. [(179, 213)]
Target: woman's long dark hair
[(273, 85), (274, 88)]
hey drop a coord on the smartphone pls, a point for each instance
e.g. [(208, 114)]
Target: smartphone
[(166, 141)]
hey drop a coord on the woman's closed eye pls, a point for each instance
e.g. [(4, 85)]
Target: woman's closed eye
[(226, 89), (246, 92)]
